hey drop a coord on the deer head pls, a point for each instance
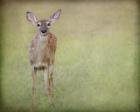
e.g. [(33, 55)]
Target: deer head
[(43, 25)]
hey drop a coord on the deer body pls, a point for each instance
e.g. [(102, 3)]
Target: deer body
[(42, 51)]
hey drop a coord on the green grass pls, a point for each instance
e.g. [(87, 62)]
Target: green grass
[(96, 58)]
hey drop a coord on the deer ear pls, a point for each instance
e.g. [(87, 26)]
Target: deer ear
[(31, 18), (55, 16)]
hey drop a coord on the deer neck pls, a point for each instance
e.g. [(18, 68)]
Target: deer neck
[(43, 40)]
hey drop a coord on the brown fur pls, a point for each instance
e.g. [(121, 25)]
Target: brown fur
[(43, 54)]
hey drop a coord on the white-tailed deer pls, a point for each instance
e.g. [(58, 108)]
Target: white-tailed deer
[(42, 50)]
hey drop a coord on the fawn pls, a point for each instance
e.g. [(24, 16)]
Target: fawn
[(42, 50)]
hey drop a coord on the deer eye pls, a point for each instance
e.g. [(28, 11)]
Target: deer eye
[(38, 24), (49, 24)]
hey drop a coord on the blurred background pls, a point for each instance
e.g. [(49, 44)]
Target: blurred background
[(96, 65)]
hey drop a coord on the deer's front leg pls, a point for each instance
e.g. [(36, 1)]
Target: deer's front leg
[(33, 87), (46, 80), (33, 80), (51, 79), (49, 82)]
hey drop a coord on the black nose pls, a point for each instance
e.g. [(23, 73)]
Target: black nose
[(44, 31)]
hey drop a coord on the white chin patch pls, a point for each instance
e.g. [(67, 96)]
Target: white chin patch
[(44, 34)]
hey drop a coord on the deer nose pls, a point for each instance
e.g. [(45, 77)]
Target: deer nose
[(44, 31)]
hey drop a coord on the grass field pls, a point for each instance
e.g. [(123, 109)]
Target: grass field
[(96, 58)]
